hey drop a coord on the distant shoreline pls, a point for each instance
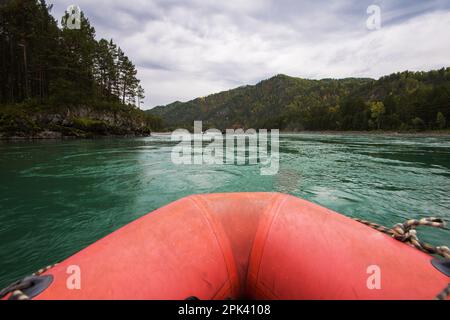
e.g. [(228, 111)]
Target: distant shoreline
[(57, 136), (376, 133), (332, 132), (168, 133)]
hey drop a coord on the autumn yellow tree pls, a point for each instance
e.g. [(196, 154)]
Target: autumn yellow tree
[(377, 111)]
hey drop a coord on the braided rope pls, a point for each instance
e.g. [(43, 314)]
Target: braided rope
[(444, 294), (16, 288), (405, 232), (18, 295), (41, 271)]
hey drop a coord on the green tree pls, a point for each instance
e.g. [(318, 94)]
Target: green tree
[(28, 36), (128, 82), (353, 114), (440, 120), (40, 61), (418, 123), (377, 111), (140, 94)]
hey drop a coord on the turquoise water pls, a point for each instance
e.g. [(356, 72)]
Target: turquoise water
[(57, 197)]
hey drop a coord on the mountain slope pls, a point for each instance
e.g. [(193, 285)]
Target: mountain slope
[(410, 100)]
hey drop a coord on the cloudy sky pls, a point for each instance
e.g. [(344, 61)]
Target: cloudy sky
[(184, 49)]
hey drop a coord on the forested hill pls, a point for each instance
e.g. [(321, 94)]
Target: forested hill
[(401, 101), (63, 80)]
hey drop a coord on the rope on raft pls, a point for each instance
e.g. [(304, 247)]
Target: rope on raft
[(406, 233), (16, 288), (444, 294)]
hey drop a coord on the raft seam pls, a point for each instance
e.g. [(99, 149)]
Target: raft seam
[(229, 261), (271, 213)]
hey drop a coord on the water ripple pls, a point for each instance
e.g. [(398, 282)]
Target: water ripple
[(58, 197)]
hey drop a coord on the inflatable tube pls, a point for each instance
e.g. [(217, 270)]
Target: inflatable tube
[(245, 245)]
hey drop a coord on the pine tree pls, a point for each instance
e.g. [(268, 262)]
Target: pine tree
[(113, 72), (27, 35), (79, 47), (127, 77), (140, 93)]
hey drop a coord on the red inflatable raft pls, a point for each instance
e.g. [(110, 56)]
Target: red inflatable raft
[(245, 245)]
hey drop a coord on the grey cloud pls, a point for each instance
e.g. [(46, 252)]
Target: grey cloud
[(189, 48), (154, 65)]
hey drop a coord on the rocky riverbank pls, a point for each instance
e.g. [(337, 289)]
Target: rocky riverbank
[(73, 122)]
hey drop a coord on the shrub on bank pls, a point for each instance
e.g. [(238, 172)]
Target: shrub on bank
[(90, 125), (13, 121)]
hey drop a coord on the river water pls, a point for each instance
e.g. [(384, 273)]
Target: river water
[(56, 197)]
